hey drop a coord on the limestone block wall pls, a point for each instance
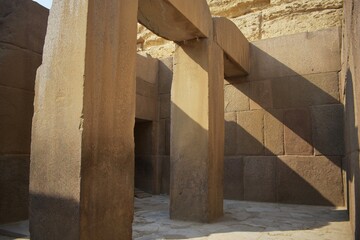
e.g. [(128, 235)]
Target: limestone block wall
[(284, 122), (350, 89), (261, 19), (22, 32)]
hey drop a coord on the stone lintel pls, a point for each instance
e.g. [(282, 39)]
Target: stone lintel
[(176, 20), (234, 45)]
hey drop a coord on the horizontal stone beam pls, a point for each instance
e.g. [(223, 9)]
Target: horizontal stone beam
[(176, 20), (235, 47)]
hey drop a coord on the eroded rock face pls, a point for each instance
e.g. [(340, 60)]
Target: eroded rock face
[(261, 19)]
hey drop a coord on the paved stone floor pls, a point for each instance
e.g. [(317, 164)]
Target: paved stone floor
[(242, 220)]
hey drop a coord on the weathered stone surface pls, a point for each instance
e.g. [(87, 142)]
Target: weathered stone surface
[(18, 67), (286, 55), (299, 22), (237, 97), (250, 133), (235, 8), (165, 104), (261, 95), (274, 132), (234, 178), (310, 180), (259, 179), (289, 17), (23, 24), (328, 129), (179, 20), (197, 132), (261, 19), (304, 5), (297, 132), (165, 75), (230, 134), (14, 187), (304, 91), (236, 47), (147, 68), (250, 25), (16, 110), (82, 151)]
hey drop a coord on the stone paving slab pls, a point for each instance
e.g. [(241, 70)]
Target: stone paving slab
[(242, 220)]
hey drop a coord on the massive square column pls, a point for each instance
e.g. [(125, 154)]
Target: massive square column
[(82, 152), (197, 131)]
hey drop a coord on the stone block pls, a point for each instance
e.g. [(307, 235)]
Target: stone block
[(165, 75), (285, 56), (165, 174), (261, 95), (250, 133), (82, 145), (179, 20), (147, 68), (259, 179), (146, 108), (304, 91), (353, 185), (167, 136), (328, 129), (146, 89), (23, 24), (18, 67), (16, 111), (162, 136), (236, 47), (230, 134), (14, 188), (165, 106), (274, 132), (351, 135), (234, 178), (297, 132), (314, 180), (236, 97), (197, 132)]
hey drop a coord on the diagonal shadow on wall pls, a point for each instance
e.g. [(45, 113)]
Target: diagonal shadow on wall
[(289, 136)]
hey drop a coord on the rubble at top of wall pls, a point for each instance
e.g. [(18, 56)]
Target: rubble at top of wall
[(259, 19)]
